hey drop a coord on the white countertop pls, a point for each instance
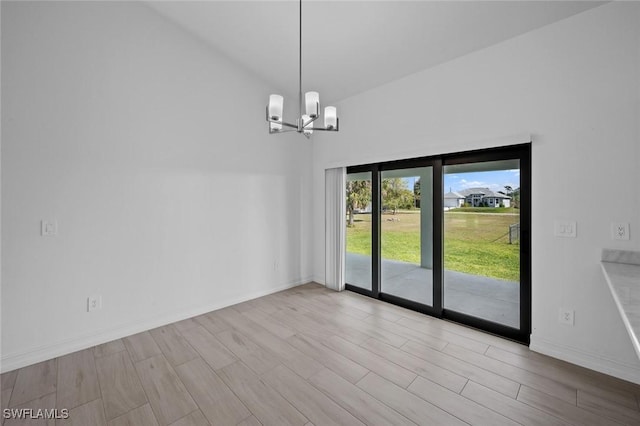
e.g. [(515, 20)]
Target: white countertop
[(624, 283)]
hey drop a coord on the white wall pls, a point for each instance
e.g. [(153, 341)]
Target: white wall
[(151, 152), (575, 86)]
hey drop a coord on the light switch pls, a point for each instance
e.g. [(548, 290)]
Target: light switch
[(565, 228), (49, 228)]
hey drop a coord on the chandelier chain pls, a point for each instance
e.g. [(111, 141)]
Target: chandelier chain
[(300, 63)]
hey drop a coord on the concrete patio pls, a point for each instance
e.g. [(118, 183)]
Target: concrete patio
[(487, 298)]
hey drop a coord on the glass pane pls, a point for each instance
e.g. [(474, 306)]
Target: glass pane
[(406, 234), (482, 240), (358, 240)]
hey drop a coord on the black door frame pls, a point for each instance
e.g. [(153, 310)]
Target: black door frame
[(521, 152)]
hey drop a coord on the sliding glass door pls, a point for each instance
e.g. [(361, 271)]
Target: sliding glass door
[(447, 235), (482, 240), (406, 234), (358, 265)]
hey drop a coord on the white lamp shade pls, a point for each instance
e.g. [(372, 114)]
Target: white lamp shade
[(308, 128), (330, 117), (276, 105), (312, 100)]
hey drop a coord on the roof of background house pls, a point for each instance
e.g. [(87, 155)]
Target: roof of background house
[(453, 195), (486, 192)]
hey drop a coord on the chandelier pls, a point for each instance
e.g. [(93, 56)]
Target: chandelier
[(304, 122)]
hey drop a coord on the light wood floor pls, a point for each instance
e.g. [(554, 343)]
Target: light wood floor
[(312, 356)]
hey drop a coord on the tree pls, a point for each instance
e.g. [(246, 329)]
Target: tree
[(358, 197), (515, 197), (416, 192), (396, 195)]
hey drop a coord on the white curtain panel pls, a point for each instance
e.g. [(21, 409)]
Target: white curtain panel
[(334, 227)]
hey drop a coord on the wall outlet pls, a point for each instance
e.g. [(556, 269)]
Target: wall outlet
[(94, 302), (566, 316), (620, 231), (48, 227), (565, 228)]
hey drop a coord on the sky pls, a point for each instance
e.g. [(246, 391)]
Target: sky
[(495, 181)]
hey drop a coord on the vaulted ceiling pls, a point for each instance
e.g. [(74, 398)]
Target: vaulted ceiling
[(352, 46)]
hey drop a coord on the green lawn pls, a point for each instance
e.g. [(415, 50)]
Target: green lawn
[(486, 210), (474, 243)]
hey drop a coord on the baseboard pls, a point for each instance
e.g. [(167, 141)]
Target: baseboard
[(44, 353), (621, 370), (319, 281)]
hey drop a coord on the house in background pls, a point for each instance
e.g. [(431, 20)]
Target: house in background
[(453, 200), (484, 197)]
